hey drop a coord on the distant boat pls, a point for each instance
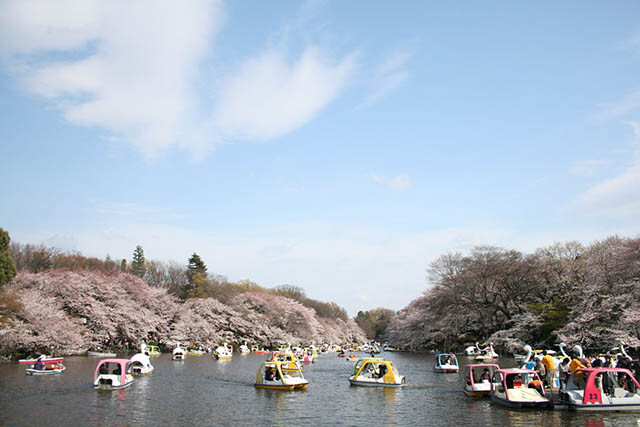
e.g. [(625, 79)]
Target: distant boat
[(100, 354)]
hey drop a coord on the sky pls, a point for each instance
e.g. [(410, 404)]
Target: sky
[(336, 146)]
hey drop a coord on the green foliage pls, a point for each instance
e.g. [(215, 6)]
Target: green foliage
[(138, 263), (196, 267), (554, 316), (7, 265), (374, 322)]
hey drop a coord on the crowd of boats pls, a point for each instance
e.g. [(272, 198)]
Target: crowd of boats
[(541, 379)]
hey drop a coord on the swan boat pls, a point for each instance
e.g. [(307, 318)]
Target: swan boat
[(154, 350), (510, 387), (598, 389), (375, 372), (244, 349), (445, 362), (224, 352), (487, 353), (101, 354), (478, 379), (106, 378), (179, 353), (141, 364), (271, 375), (472, 350), (48, 369)]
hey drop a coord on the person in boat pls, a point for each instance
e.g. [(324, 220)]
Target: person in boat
[(537, 385), (540, 368), (270, 374), (550, 368), (104, 368), (608, 363), (39, 365), (116, 370), (564, 372), (578, 379), (485, 376), (626, 383), (382, 370)]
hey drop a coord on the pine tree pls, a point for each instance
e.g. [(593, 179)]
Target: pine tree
[(7, 265), (196, 265), (137, 264)]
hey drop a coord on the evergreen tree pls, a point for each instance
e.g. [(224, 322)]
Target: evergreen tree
[(138, 263), (195, 265), (7, 265)]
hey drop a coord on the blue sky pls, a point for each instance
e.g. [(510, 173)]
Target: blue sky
[(337, 146)]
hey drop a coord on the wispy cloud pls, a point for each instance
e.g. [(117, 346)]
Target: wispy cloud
[(135, 211), (270, 96), (133, 69), (587, 167), (388, 76), (400, 182), (627, 104), (617, 197)]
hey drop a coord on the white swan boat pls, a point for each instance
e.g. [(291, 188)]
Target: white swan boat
[(224, 352), (141, 363), (244, 349), (179, 353)]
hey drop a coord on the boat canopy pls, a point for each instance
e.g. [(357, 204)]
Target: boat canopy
[(377, 368), (593, 382), (114, 366), (476, 370)]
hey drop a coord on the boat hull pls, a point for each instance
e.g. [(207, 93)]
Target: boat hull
[(518, 404), (282, 387), (374, 384), (44, 371), (476, 394), (445, 370), (633, 407), (111, 387), (45, 360), (100, 354)]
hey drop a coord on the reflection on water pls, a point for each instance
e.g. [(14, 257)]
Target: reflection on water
[(202, 391)]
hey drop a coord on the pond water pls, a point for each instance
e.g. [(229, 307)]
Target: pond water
[(202, 391)]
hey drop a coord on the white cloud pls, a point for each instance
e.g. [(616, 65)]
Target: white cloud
[(617, 197), (587, 167), (132, 68), (270, 96), (627, 104), (400, 182), (388, 76)]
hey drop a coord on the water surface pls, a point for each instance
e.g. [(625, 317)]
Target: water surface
[(201, 391)]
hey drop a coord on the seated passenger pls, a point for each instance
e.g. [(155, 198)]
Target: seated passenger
[(104, 368), (537, 385), (485, 376), (382, 370), (269, 374), (38, 365)]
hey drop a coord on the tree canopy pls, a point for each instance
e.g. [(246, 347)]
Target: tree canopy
[(7, 265)]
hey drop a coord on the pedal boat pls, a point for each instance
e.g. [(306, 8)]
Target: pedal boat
[(510, 387), (597, 389), (289, 361), (112, 374), (474, 387), (141, 365), (244, 349), (375, 372), (271, 375), (446, 363), (179, 353), (224, 352), (154, 350), (194, 352), (47, 369)]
